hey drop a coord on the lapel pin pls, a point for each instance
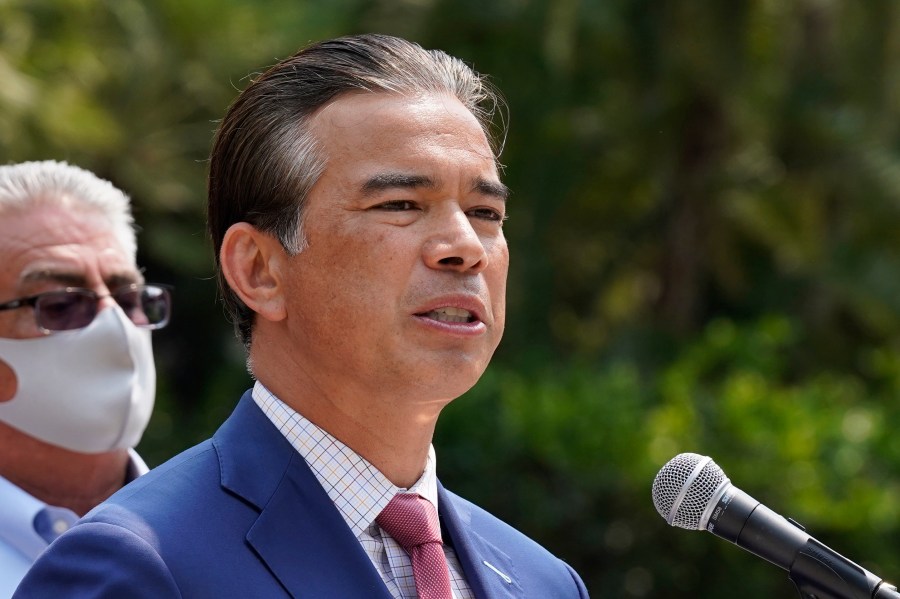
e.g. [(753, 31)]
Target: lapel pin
[(506, 578)]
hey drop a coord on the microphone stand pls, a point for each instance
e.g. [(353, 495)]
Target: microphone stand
[(821, 573)]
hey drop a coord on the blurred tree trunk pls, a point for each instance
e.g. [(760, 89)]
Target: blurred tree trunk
[(684, 268)]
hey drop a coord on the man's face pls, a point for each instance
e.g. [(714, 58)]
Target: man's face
[(47, 248), (401, 291)]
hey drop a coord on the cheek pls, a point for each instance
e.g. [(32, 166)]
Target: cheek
[(341, 280), (370, 259), (19, 324), (498, 269), (8, 382)]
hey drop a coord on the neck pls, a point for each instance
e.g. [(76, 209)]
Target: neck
[(398, 449), (395, 442), (58, 476), (392, 435), (389, 422)]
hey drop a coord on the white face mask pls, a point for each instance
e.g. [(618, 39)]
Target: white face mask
[(89, 390)]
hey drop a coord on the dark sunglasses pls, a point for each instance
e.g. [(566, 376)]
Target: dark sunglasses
[(147, 306)]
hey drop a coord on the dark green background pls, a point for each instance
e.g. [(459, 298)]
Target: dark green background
[(703, 231)]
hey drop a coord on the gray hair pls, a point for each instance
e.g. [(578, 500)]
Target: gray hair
[(265, 159), (29, 184)]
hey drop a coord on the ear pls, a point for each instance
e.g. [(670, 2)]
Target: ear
[(253, 263)]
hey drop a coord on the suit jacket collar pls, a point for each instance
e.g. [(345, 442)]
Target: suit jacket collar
[(261, 467)]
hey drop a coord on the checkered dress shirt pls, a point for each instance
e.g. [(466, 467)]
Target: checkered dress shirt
[(359, 492)]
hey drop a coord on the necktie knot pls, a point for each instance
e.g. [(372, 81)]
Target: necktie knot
[(413, 522)]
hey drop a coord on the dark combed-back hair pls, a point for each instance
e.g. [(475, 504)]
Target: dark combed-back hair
[(265, 160)]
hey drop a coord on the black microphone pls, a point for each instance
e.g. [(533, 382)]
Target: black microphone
[(692, 492)]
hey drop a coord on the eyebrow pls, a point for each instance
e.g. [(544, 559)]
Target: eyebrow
[(385, 181), (491, 188), (74, 279)]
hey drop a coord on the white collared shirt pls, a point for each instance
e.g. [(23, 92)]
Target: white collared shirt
[(28, 525), (360, 491)]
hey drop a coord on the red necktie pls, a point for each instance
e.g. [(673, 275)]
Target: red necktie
[(413, 522)]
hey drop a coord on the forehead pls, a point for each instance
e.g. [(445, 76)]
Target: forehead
[(368, 129), (46, 241)]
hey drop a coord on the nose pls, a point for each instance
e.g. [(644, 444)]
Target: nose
[(104, 293), (455, 245), (106, 302)]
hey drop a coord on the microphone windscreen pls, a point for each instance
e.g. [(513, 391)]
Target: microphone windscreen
[(685, 487)]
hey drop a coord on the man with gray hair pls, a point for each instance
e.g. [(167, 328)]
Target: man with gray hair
[(76, 365), (356, 210)]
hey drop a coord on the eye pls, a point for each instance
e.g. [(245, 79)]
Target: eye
[(397, 206), (489, 214)]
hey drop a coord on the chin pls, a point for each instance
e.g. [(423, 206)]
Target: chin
[(452, 381)]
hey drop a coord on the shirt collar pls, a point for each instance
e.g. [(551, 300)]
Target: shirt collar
[(358, 489), (24, 517), (20, 514), (136, 466)]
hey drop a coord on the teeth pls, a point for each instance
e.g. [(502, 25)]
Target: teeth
[(450, 314)]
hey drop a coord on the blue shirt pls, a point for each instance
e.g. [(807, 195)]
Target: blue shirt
[(28, 526)]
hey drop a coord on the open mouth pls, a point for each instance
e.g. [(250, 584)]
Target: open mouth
[(449, 314)]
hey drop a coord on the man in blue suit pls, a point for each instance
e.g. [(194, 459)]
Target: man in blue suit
[(356, 211)]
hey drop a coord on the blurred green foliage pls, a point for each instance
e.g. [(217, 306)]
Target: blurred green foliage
[(703, 238)]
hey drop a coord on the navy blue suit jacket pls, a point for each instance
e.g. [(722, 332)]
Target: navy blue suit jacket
[(242, 515)]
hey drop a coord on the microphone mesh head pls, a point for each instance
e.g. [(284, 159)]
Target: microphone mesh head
[(683, 489)]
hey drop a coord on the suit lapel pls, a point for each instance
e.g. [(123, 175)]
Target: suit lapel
[(490, 572), (332, 562), (259, 465)]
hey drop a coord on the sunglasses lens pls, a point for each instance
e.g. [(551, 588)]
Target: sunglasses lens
[(66, 310), (146, 305)]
